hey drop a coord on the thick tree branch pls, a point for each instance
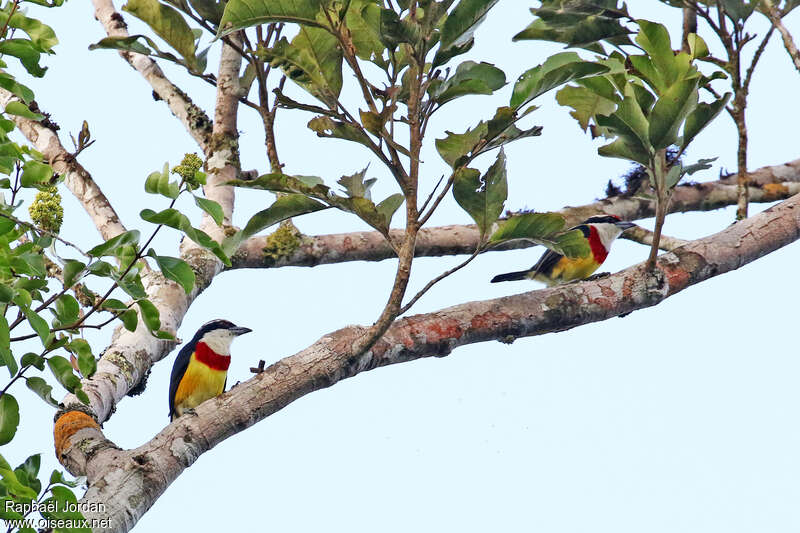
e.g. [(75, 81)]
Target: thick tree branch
[(767, 184), (129, 482), (80, 183), (192, 117)]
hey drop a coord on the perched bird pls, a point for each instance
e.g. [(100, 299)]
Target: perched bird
[(200, 371), (553, 268)]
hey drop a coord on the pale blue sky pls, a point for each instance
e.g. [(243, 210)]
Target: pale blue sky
[(681, 417)]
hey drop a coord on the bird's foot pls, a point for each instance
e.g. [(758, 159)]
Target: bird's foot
[(190, 411), (599, 275)]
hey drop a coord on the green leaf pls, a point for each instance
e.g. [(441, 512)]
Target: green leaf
[(38, 324), (58, 478), (284, 208), (529, 226), (27, 53), (42, 36), (246, 13), (545, 229), (72, 271), (130, 319), (630, 114), (389, 206), (210, 10), (6, 357), (578, 23), (586, 103), (702, 164), (9, 418), (674, 175), (87, 364), (701, 117), (159, 183), (150, 315), (482, 196), (469, 78), (169, 25), (62, 370), (555, 71), (393, 30), (670, 111), (654, 39), (313, 60), (175, 269), (33, 359), (327, 127), (697, 46), (42, 389), (211, 207), (459, 27), (31, 466), (175, 219), (8, 83), (35, 173), (364, 20), (66, 309), (108, 247)]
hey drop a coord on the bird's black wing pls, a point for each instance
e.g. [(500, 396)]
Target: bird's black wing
[(178, 370)]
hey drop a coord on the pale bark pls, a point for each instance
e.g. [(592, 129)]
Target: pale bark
[(192, 117), (76, 178), (774, 17), (129, 482), (767, 184)]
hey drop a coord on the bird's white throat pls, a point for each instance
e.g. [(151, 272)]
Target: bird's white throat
[(219, 340)]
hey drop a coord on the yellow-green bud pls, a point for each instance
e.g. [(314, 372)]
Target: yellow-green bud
[(46, 211), (188, 168)]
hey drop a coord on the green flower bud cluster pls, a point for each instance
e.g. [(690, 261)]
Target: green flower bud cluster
[(189, 171), (46, 210)]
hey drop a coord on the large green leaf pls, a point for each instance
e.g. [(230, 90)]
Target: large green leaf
[(27, 53), (701, 117), (459, 27), (6, 357), (364, 20), (9, 418), (175, 219), (469, 78), (112, 244), (284, 208), (313, 60), (169, 25), (545, 229), (327, 127), (245, 13), (670, 111), (42, 389), (586, 103), (62, 370), (482, 196), (42, 36), (175, 269), (578, 23), (557, 70)]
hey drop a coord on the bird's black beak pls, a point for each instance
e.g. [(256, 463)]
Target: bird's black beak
[(624, 225), (241, 331)]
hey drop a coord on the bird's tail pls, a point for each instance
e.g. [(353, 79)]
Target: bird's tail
[(511, 276)]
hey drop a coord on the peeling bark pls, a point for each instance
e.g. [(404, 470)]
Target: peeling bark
[(129, 482)]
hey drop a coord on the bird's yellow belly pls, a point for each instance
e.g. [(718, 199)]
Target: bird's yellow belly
[(571, 269), (199, 383)]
